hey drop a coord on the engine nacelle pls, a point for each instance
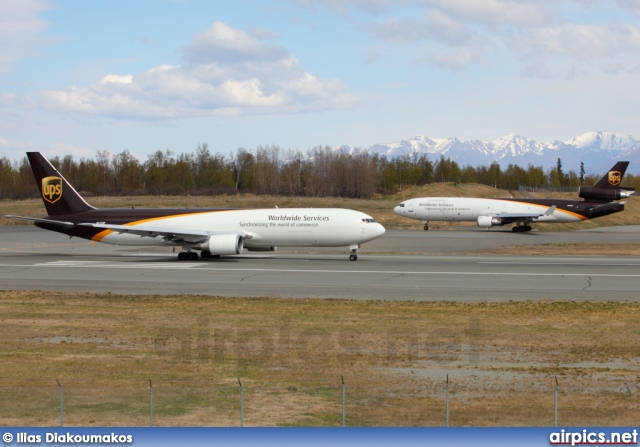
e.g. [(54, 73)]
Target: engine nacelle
[(489, 221), (222, 244), (589, 192)]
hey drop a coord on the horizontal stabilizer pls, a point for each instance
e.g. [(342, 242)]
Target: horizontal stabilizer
[(58, 223), (612, 206)]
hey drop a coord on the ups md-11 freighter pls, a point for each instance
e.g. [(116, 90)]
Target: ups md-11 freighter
[(213, 232), (599, 200)]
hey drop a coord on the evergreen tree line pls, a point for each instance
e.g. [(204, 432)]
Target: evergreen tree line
[(321, 172)]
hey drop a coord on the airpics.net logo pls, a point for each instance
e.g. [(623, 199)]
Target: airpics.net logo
[(615, 178), (52, 189)]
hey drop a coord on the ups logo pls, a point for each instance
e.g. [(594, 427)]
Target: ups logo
[(51, 189), (615, 178)]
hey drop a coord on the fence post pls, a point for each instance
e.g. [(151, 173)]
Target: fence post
[(344, 402), (555, 403), (61, 404), (150, 404), (447, 400), (241, 403)]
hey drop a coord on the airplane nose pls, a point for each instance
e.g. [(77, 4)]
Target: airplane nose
[(378, 230), (398, 209)]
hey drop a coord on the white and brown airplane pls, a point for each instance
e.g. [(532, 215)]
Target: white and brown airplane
[(599, 200), (213, 231)]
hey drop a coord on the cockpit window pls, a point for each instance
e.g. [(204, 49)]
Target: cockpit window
[(401, 205), (368, 220)]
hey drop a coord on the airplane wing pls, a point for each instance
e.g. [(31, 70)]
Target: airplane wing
[(513, 217), (518, 215), (171, 234), (39, 219)]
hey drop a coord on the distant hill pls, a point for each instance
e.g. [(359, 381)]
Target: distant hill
[(597, 150)]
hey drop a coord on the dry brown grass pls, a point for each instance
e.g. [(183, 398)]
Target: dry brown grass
[(501, 358)]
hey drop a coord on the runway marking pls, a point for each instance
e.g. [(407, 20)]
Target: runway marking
[(396, 272), (200, 266), (561, 263), (117, 265)]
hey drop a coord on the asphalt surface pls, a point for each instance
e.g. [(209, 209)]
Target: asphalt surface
[(402, 265)]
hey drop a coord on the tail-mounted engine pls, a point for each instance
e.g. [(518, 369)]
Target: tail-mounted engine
[(590, 192), (489, 221), (222, 244)]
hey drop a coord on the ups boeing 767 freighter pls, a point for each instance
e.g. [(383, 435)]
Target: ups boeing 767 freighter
[(599, 200), (213, 232)]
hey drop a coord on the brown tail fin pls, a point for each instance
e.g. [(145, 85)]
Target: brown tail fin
[(58, 195)]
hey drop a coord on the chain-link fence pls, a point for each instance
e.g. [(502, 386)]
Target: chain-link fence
[(448, 403)]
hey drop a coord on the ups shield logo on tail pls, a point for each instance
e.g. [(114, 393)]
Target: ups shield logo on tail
[(52, 189), (615, 178)]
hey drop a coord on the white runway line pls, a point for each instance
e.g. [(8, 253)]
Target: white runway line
[(200, 266)]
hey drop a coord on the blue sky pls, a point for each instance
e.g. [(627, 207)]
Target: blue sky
[(79, 77)]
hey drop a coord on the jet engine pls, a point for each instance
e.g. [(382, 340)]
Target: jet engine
[(222, 244), (489, 221), (589, 192)]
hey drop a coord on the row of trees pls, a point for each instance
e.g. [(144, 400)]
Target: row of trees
[(270, 170)]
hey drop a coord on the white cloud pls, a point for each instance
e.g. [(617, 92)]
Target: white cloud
[(226, 72), (7, 142), (549, 38), (496, 12), (117, 79), (223, 44), (633, 6), (581, 42), (573, 50), (68, 149), (456, 60), (20, 30)]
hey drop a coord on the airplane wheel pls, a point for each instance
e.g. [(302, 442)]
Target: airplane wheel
[(205, 254), (193, 256), (527, 228), (182, 256), (515, 229), (426, 228), (353, 258)]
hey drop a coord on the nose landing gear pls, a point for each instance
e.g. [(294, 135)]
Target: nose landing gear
[(354, 252)]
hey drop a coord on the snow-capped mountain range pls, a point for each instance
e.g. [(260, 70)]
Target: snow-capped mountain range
[(597, 150)]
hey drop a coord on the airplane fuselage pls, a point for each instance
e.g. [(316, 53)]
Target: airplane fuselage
[(283, 227), (469, 209)]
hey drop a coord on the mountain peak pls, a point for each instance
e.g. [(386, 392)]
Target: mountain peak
[(596, 149)]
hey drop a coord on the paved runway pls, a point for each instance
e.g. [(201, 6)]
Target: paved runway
[(402, 265)]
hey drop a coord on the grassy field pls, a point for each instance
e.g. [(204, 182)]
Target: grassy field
[(502, 361)]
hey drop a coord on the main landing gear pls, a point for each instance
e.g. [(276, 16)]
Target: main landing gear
[(188, 256), (519, 228), (193, 256)]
